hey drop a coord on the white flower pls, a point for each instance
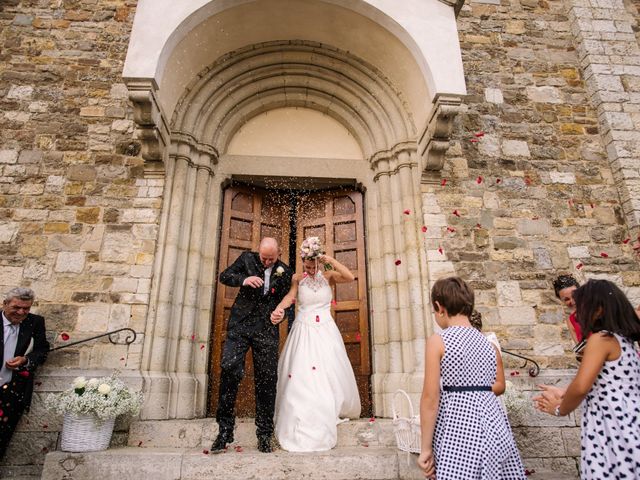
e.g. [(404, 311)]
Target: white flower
[(104, 398), (80, 382), (279, 271), (104, 389)]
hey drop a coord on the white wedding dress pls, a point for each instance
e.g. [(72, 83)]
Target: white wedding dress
[(316, 384)]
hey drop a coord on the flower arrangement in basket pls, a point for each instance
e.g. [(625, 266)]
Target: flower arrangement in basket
[(406, 429), (515, 401), (90, 408)]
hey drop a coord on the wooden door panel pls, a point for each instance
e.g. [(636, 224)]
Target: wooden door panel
[(248, 215), (337, 219)]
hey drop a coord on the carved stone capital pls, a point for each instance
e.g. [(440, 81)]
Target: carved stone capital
[(151, 126), (435, 137)]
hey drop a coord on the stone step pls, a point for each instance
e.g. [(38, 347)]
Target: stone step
[(200, 433), (131, 463), (353, 463)]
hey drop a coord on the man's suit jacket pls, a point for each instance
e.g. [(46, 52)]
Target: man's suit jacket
[(251, 307), (31, 327)]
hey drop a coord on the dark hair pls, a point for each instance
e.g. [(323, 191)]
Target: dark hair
[(475, 319), (601, 305), (454, 294), (564, 281)]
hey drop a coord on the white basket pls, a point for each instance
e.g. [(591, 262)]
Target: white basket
[(85, 433), (407, 430)]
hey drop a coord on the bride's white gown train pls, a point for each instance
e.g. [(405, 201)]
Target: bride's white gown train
[(316, 384)]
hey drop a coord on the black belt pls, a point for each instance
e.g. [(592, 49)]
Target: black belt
[(467, 388)]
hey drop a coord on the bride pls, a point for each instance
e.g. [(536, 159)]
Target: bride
[(316, 384)]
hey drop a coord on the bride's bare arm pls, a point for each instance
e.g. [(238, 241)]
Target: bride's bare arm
[(278, 314), (340, 273)]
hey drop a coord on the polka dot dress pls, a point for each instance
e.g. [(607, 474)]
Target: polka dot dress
[(611, 419), (473, 439)]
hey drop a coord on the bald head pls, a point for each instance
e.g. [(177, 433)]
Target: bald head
[(268, 251)]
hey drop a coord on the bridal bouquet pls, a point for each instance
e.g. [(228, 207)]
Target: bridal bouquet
[(104, 398), (311, 248)]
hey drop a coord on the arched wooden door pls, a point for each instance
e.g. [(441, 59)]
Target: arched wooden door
[(250, 213)]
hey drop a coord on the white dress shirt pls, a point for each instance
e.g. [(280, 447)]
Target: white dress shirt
[(10, 341)]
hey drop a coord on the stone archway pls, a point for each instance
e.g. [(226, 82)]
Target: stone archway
[(221, 98)]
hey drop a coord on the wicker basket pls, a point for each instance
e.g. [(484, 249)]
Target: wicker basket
[(407, 430), (85, 433)]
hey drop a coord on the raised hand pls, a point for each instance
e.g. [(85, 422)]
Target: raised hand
[(254, 282)]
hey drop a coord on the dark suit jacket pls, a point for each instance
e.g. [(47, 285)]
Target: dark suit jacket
[(31, 327), (251, 307)]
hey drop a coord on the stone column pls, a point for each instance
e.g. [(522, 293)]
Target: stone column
[(397, 206), (609, 57), (173, 335)]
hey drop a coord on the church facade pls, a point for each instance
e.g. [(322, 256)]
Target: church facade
[(145, 144)]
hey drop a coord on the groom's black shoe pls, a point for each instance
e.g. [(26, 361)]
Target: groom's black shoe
[(220, 443), (265, 445)]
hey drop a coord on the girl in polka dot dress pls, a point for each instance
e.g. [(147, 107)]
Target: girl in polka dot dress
[(465, 431), (607, 384)]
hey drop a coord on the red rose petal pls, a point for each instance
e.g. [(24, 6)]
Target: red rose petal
[(358, 336), (289, 375), (122, 359), (604, 255), (424, 229), (317, 318), (313, 368), (443, 182), (333, 302), (626, 240), (38, 384), (456, 213), (24, 373), (64, 336), (206, 452), (45, 426), (398, 262), (474, 140), (140, 443), (238, 449), (45, 450), (193, 337), (479, 134), (202, 347), (527, 180), (440, 251), (407, 212), (273, 290), (372, 419), (498, 180), (479, 180), (365, 444), (593, 206), (571, 202), (579, 266), (1, 412), (451, 229)]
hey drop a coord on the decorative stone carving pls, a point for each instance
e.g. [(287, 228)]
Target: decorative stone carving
[(151, 126), (434, 140)]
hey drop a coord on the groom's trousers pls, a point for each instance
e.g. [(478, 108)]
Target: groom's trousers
[(264, 345)]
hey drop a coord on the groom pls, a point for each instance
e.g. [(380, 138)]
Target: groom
[(264, 281)]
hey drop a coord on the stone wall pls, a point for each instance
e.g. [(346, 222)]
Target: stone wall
[(530, 189), (78, 220)]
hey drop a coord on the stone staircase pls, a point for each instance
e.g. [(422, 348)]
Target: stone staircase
[(178, 449)]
